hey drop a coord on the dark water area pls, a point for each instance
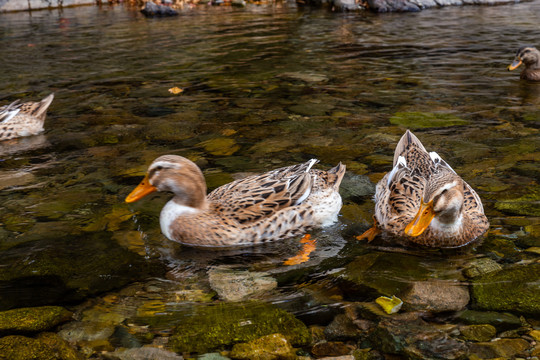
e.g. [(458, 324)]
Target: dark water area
[(263, 87)]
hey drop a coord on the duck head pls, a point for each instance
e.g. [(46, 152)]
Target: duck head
[(442, 200), (176, 174), (527, 55)]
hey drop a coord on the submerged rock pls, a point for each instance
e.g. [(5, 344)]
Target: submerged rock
[(45, 346), (414, 338), (215, 326), (418, 5), (269, 347), (482, 266), (419, 120), (151, 9), (34, 319), (501, 321), (65, 269), (239, 285), (520, 292), (478, 332), (499, 348), (143, 353), (437, 296)]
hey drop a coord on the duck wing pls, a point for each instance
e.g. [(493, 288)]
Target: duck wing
[(258, 196)]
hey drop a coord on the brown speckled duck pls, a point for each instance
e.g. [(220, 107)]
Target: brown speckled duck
[(530, 57), (275, 205), (425, 201), (24, 119)]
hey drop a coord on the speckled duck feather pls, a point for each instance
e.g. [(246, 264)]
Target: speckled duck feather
[(261, 208), (23, 119), (399, 193)]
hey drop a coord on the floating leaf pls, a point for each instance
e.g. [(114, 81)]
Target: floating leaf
[(390, 305), (175, 90)]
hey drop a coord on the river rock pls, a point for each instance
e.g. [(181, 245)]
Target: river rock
[(408, 335), (342, 328), (46, 346), (331, 348), (239, 285), (34, 319), (212, 356), (501, 321), (208, 327), (355, 186), (417, 5), (151, 9), (64, 270), (436, 296), (269, 347), (483, 332), (520, 293), (86, 331), (481, 266), (143, 353), (499, 348)]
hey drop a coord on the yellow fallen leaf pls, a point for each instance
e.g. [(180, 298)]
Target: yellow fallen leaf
[(175, 90), (390, 305)]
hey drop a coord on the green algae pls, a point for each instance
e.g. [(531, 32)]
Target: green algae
[(420, 120), (32, 319), (47, 346), (528, 204), (216, 326), (484, 332), (269, 347), (514, 289)]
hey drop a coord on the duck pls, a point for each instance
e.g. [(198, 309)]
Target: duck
[(530, 57), (423, 200), (275, 205), (23, 119)]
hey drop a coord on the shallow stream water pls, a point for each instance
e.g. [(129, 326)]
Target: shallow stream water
[(263, 87)]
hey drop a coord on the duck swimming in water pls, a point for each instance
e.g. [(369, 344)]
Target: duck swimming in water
[(530, 57), (275, 205), (23, 119), (425, 201)]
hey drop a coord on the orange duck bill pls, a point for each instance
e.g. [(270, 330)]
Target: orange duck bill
[(143, 189), (422, 219), (514, 65)]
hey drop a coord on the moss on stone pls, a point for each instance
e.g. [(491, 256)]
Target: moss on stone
[(32, 319), (419, 120), (47, 346), (528, 204), (269, 347), (220, 325), (514, 289)]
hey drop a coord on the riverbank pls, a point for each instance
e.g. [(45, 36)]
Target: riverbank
[(335, 5)]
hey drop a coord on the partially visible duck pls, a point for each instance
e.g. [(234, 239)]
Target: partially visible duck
[(423, 200), (272, 206), (23, 119), (530, 57)]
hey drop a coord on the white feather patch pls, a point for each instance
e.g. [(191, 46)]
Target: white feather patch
[(401, 163), (170, 213), (10, 115), (438, 160)]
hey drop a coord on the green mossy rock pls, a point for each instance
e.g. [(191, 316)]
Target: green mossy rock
[(33, 319), (483, 332), (269, 347), (515, 289), (528, 204), (47, 346), (216, 326), (419, 120)]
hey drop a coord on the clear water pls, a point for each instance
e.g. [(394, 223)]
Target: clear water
[(268, 86)]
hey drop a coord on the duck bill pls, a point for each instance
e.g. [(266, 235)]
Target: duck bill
[(143, 189), (514, 65), (422, 219)]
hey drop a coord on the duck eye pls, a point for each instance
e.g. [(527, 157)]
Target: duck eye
[(158, 168)]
